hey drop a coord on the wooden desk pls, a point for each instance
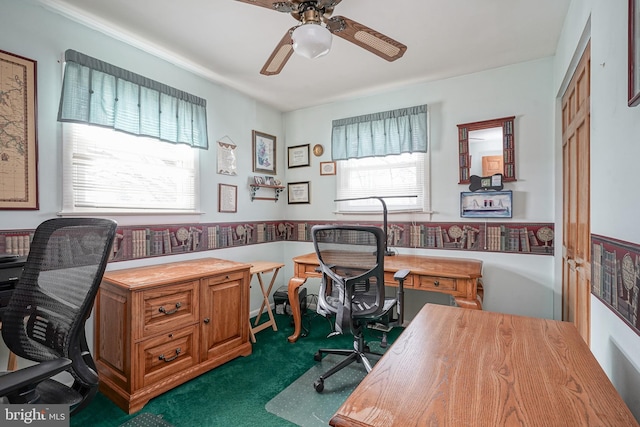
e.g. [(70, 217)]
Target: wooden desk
[(458, 277), (454, 367)]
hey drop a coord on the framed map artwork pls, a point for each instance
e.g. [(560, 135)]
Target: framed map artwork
[(18, 140)]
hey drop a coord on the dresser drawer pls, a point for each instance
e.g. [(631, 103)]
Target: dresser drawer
[(167, 354), (222, 278), (169, 307), (437, 283)]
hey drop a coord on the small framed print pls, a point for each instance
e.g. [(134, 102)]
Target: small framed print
[(298, 192), (327, 168), (258, 180), (264, 153), (227, 198), (298, 156), (486, 204)]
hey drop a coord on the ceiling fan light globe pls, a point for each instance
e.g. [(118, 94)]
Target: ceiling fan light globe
[(311, 40)]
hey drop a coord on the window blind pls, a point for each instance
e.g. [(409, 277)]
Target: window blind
[(108, 171), (95, 92), (392, 176)]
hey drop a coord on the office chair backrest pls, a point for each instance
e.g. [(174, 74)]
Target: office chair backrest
[(46, 314), (353, 255)]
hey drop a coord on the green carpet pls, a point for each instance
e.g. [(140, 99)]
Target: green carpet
[(236, 393)]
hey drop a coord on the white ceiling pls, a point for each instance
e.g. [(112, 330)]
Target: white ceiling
[(228, 41)]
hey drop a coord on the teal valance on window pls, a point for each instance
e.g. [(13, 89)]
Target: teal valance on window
[(380, 134), (95, 92)]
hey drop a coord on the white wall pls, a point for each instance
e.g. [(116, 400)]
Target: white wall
[(520, 284), (614, 153)]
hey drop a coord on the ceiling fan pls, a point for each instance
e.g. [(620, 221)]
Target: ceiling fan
[(312, 36)]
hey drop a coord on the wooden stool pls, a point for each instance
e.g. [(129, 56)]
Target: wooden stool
[(257, 269)]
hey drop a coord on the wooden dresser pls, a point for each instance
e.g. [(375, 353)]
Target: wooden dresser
[(159, 326)]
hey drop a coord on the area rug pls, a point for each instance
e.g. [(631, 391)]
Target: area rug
[(147, 420), (300, 404)]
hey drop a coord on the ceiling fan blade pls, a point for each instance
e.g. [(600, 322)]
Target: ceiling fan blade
[(280, 6), (371, 40), (279, 56), (328, 3)]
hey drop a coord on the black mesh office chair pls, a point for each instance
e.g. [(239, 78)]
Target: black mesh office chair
[(352, 290), (45, 319)]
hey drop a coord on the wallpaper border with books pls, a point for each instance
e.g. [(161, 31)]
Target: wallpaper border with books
[(135, 242), (615, 277)]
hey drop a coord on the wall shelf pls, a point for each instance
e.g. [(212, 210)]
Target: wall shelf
[(255, 187)]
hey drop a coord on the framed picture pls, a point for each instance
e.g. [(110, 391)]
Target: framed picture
[(327, 168), (298, 156), (227, 157), (486, 204), (227, 198), (18, 139), (264, 153), (258, 180), (298, 192), (634, 53)]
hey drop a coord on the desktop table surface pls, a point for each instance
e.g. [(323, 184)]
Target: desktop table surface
[(419, 264), (457, 367)]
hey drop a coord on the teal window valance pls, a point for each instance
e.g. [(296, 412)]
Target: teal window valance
[(95, 92), (380, 134)]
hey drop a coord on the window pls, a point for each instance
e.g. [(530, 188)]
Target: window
[(404, 174), (382, 155), (110, 171)]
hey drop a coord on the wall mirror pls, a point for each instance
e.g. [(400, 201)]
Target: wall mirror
[(486, 148)]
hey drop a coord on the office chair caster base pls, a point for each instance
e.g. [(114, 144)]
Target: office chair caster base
[(319, 385)]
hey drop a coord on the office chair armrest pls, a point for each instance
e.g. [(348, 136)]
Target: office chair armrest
[(400, 277), (14, 381)]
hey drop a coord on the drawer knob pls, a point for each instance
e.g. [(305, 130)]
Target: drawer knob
[(169, 359), (207, 320), (164, 310), (436, 283)]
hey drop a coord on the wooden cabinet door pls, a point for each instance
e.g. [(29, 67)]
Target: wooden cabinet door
[(576, 250), (225, 314)]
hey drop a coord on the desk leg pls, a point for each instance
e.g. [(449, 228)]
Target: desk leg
[(474, 304), (12, 364), (294, 302)]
